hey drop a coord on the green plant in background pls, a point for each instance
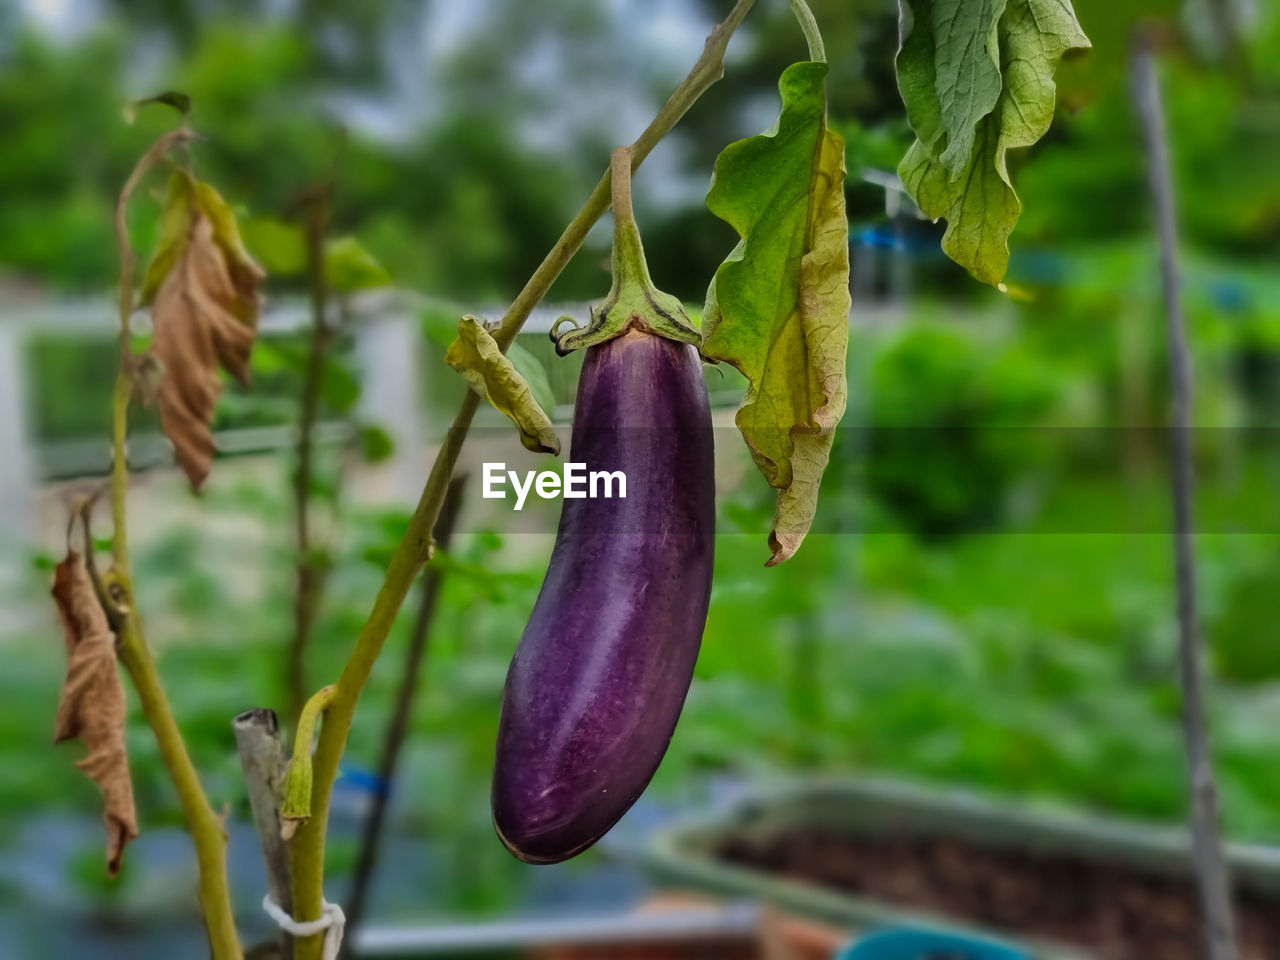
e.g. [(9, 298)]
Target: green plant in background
[(334, 269), (953, 427)]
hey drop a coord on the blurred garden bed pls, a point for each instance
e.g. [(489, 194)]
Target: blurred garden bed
[(874, 852)]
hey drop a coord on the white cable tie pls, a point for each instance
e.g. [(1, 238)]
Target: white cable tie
[(331, 922)]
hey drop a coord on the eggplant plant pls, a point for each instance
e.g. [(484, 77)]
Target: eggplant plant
[(601, 672)]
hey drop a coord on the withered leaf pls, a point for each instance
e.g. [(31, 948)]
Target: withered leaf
[(202, 286), (493, 375), (92, 708), (778, 307)]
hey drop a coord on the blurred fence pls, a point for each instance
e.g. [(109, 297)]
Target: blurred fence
[(395, 364)]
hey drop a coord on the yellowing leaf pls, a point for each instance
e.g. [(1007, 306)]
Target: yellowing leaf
[(778, 307), (92, 708), (202, 287), (957, 166), (476, 356), (980, 210)]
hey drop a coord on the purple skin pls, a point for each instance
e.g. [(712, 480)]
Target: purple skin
[(602, 670)]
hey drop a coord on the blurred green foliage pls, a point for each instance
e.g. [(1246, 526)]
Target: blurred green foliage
[(988, 596), (950, 419)]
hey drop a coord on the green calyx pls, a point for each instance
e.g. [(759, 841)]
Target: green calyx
[(633, 301)]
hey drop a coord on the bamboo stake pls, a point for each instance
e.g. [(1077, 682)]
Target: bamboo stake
[(1210, 866)]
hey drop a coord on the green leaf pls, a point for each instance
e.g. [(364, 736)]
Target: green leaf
[(439, 323), (376, 444), (269, 359), (534, 373), (1035, 34), (778, 307), (957, 167), (339, 384), (339, 387), (475, 355), (280, 246), (980, 211), (967, 65), (349, 267), (170, 98)]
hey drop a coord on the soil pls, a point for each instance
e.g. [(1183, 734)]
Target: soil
[(1115, 911)]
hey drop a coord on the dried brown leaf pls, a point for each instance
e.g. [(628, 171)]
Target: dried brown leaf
[(92, 708), (204, 304)]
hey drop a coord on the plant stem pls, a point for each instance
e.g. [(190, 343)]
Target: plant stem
[(203, 824), (628, 261), (398, 725), (809, 27), (307, 848), (1211, 870), (309, 576)]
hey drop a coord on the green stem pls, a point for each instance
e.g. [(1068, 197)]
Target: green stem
[(629, 265), (203, 824), (809, 27), (307, 848)]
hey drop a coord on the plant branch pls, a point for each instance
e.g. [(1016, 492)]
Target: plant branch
[(1211, 870), (307, 848), (310, 576), (398, 725), (203, 824)]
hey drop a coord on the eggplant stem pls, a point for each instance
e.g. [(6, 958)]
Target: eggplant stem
[(629, 266)]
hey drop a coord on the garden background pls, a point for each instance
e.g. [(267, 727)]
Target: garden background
[(987, 598)]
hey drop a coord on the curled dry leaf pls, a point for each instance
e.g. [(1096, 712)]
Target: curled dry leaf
[(202, 287), (493, 375), (92, 708)]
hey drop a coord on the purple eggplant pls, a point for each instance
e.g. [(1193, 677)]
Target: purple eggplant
[(604, 664)]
